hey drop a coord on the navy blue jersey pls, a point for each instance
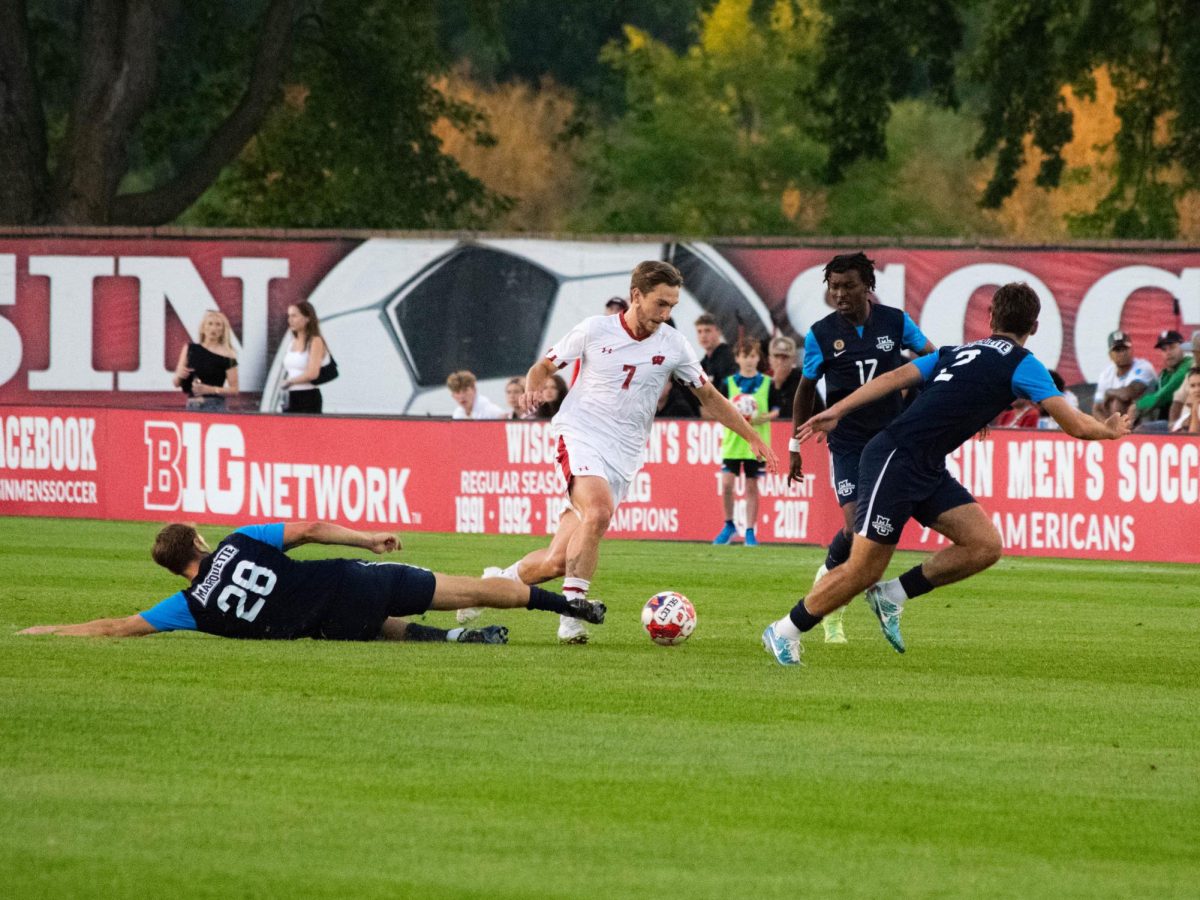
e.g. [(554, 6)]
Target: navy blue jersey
[(849, 356), (248, 589), (965, 388)]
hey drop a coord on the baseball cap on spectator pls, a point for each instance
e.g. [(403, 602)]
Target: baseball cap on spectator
[(783, 345), (1119, 339), (1170, 336), (617, 302)]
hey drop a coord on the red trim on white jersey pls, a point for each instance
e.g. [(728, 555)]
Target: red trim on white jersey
[(629, 331), (564, 463)]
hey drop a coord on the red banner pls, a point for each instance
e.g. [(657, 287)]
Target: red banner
[(1049, 495), (100, 321)]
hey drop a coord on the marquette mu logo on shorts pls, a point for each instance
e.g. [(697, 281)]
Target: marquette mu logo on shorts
[(845, 488), (882, 526)]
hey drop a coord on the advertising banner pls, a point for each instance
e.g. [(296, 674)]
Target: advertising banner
[(101, 321), (1049, 495)]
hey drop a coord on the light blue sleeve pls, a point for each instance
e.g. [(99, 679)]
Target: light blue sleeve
[(926, 364), (814, 361), (914, 338), (1032, 381), (269, 534), (171, 614)]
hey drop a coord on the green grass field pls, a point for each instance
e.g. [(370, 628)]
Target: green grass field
[(1040, 738)]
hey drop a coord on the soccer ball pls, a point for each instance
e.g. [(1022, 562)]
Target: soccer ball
[(746, 405), (669, 618)]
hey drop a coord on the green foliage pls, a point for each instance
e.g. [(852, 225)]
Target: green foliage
[(925, 185), (353, 145), (1030, 49), (533, 39), (876, 52), (712, 137), (1038, 739)]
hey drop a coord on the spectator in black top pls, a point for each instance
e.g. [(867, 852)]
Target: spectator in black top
[(207, 371), (718, 362)]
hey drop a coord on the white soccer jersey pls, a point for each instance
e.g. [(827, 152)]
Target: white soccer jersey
[(610, 409), (1141, 370)]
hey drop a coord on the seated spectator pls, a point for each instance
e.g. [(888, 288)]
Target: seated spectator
[(1155, 405), (553, 395), (1124, 380), (1179, 401), (514, 390), (1189, 420), (470, 403)]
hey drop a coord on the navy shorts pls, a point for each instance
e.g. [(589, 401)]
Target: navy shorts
[(895, 489), (749, 466), (373, 591), (843, 469)]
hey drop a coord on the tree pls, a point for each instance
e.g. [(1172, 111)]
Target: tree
[(1151, 49), (1022, 55), (124, 112), (717, 139), (874, 54)]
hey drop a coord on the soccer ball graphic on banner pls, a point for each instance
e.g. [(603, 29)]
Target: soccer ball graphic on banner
[(415, 311), (669, 618)]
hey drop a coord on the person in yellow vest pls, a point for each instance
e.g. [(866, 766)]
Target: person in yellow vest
[(755, 396)]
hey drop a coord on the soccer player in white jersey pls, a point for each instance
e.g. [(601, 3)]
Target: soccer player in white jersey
[(603, 426)]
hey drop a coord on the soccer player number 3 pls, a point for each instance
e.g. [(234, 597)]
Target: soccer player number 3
[(961, 359), (247, 577)]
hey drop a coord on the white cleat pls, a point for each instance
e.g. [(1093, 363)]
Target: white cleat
[(468, 614), (571, 631), (471, 613)]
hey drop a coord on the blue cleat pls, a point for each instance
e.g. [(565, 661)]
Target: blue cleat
[(751, 539), (786, 652), (888, 614), (726, 534)]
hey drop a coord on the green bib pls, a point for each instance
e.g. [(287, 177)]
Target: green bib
[(734, 446)]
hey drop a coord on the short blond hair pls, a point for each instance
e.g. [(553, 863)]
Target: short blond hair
[(461, 380)]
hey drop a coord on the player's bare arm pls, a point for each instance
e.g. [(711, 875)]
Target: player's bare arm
[(1082, 426), (802, 410), (297, 533), (906, 376), (721, 410), (535, 379), (129, 626)]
